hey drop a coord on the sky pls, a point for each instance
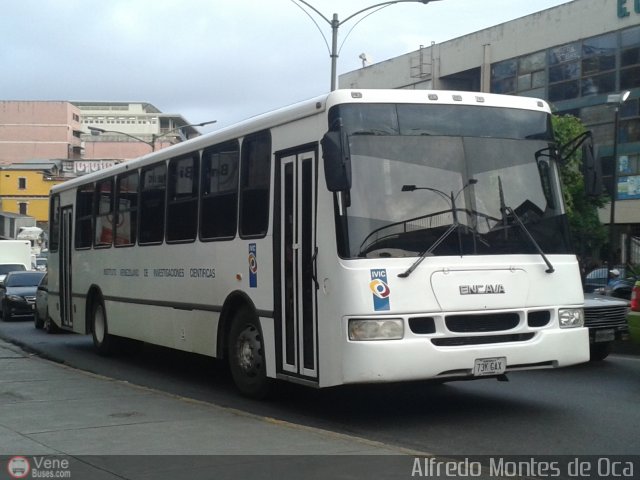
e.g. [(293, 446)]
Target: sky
[(215, 59)]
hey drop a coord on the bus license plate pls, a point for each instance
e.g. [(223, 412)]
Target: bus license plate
[(489, 366)]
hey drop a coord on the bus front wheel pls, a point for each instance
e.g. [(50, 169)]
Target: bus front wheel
[(246, 355), (102, 340)]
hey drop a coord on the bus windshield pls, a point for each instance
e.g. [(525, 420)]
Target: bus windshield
[(450, 180)]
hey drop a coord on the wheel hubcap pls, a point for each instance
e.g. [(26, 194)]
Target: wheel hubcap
[(249, 351), (98, 325)]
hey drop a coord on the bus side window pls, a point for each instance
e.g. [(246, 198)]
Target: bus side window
[(182, 208), (126, 209), (54, 223), (84, 216), (104, 213), (255, 178), (152, 203), (219, 191)]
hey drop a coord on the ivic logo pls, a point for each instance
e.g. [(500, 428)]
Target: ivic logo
[(490, 289), (380, 290)]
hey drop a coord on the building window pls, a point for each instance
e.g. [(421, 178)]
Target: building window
[(503, 76), (629, 177), (22, 208), (630, 59), (22, 183), (599, 65), (629, 127), (522, 76)]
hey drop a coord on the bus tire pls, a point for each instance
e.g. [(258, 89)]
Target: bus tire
[(246, 355), (37, 320), (102, 339), (49, 326)]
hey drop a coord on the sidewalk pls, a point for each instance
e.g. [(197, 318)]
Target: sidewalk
[(50, 409)]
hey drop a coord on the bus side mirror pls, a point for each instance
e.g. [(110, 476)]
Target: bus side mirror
[(592, 171), (337, 162)]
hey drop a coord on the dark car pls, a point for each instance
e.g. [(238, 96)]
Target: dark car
[(5, 268), (616, 282), (18, 294), (606, 319)]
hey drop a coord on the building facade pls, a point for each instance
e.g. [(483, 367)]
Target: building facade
[(24, 188), (44, 130), (131, 129), (580, 56), (34, 130)]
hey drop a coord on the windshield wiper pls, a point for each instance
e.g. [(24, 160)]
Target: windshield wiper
[(454, 226), (504, 209), (429, 251), (511, 211)]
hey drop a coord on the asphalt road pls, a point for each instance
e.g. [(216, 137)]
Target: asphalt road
[(590, 409)]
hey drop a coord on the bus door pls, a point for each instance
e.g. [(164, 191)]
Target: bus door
[(66, 240), (297, 250)]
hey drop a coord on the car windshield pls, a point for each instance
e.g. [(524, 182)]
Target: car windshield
[(450, 180), (28, 279)]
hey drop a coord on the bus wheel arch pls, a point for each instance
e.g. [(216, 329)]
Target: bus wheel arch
[(97, 323), (241, 342), (232, 304)]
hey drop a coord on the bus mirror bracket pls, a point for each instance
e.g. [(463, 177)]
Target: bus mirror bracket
[(337, 161), (590, 166), (592, 173)]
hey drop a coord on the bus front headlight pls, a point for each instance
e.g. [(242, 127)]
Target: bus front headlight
[(375, 329), (571, 317)]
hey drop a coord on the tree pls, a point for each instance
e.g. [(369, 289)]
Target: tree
[(589, 235)]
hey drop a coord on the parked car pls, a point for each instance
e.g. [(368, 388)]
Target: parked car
[(18, 294), (606, 318), (633, 319)]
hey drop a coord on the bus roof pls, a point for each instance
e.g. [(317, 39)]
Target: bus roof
[(312, 107)]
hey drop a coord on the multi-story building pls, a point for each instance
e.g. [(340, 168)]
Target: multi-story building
[(98, 132), (24, 187), (34, 130), (580, 56), (44, 142), (131, 129)]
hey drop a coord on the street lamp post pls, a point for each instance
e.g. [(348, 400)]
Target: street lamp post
[(617, 99), (154, 137), (335, 24)]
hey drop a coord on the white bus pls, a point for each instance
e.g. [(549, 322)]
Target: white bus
[(362, 236)]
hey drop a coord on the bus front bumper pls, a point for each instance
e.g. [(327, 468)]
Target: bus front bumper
[(417, 358)]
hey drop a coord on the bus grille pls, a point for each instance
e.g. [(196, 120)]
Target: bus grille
[(481, 340), (491, 322)]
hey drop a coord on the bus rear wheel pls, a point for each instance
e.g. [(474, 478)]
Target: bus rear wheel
[(246, 355), (102, 339)]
